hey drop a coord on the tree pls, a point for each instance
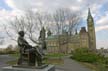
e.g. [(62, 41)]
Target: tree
[(31, 22), (9, 49), (65, 19)]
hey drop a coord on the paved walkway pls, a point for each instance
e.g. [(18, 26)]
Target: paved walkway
[(4, 59), (71, 65)]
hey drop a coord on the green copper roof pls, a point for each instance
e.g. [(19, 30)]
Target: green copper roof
[(56, 36), (52, 37)]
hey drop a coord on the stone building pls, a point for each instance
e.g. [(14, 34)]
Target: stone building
[(65, 43)]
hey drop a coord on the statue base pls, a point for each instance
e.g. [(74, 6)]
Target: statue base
[(33, 67), (19, 68)]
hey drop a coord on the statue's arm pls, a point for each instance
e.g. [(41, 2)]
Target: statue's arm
[(25, 42), (22, 41)]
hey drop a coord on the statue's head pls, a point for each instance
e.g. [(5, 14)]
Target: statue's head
[(21, 33)]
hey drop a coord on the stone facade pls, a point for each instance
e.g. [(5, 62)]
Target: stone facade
[(65, 43)]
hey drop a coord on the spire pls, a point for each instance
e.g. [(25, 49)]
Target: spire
[(89, 11), (89, 15)]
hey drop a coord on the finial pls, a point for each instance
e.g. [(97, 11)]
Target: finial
[(89, 11)]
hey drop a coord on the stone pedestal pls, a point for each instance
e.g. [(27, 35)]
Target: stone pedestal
[(10, 68)]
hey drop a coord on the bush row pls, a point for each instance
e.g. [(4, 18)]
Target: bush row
[(86, 55)]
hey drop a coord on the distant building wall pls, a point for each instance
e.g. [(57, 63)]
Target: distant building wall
[(66, 44)]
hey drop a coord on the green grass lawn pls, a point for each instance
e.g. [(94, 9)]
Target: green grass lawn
[(54, 58), (55, 55), (95, 67), (16, 55), (54, 61), (13, 62)]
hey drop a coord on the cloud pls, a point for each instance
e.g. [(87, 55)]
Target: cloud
[(103, 20), (39, 4), (99, 28), (75, 8), (8, 15), (51, 4), (102, 44), (102, 23), (11, 4), (22, 4)]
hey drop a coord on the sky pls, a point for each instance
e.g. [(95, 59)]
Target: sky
[(99, 10)]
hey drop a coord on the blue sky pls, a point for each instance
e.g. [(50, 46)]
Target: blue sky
[(99, 10)]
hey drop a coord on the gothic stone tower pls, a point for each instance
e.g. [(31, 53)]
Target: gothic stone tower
[(91, 31), (83, 38)]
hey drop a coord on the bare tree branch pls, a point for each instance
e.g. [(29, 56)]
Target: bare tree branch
[(30, 23), (65, 20)]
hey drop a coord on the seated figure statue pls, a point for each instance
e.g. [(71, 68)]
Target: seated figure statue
[(25, 47)]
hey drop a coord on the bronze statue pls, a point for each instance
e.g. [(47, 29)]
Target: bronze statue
[(28, 53)]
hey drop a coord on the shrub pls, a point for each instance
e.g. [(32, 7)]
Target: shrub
[(85, 55), (9, 50)]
